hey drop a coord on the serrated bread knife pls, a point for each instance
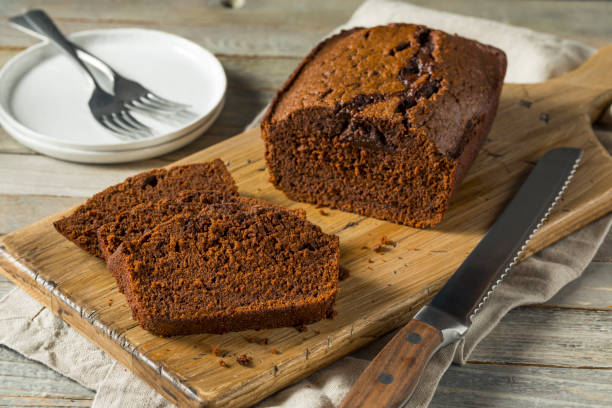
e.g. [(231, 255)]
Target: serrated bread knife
[(392, 376)]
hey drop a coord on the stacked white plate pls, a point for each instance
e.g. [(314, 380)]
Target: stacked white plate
[(44, 95)]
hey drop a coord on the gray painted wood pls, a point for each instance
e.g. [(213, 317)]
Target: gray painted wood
[(17, 211), (25, 382), (558, 337), (488, 385), (259, 44)]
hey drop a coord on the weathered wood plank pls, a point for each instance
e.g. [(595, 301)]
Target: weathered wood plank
[(25, 382), (47, 176), (17, 211), (485, 385), (226, 40), (565, 338), (290, 28), (199, 13), (36, 401)]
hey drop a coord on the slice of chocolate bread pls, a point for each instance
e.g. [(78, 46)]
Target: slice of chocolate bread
[(384, 121), (234, 266), (132, 224), (81, 226)]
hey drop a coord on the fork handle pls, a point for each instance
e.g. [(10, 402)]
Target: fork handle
[(38, 22)]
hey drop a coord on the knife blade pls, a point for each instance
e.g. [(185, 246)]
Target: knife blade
[(392, 376)]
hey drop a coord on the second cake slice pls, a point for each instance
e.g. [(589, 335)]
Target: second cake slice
[(235, 265)]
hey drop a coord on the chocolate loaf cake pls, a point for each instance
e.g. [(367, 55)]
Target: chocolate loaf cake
[(82, 225), (383, 121), (234, 266)]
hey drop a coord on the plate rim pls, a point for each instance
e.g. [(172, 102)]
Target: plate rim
[(119, 156), (7, 119)]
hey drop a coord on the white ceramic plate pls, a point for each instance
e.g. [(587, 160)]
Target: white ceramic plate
[(44, 95), (117, 156)]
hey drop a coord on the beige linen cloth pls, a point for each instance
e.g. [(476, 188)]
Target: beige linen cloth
[(35, 332)]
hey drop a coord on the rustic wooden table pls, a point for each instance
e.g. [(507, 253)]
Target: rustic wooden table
[(557, 354)]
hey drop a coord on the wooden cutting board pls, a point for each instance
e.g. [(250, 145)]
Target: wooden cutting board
[(382, 291)]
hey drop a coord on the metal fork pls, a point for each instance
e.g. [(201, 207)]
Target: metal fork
[(109, 111), (128, 91)]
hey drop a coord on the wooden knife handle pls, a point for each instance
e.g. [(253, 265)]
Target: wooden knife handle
[(393, 375)]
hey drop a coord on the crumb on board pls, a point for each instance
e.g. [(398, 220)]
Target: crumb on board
[(370, 260), (274, 350), (222, 363), (386, 241), (317, 331), (381, 245), (302, 328), (216, 351), (244, 360), (109, 302), (323, 212), (263, 341)]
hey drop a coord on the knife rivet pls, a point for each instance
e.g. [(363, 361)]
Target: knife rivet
[(413, 338), (385, 378)]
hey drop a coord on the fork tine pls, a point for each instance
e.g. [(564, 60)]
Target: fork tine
[(102, 122), (177, 116), (166, 101), (187, 114), (135, 123), (161, 115), (141, 132), (110, 121), (116, 120), (150, 103)]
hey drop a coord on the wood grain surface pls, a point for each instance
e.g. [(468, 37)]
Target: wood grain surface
[(382, 291), (259, 45)]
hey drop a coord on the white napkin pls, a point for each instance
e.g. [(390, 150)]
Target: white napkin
[(36, 333)]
